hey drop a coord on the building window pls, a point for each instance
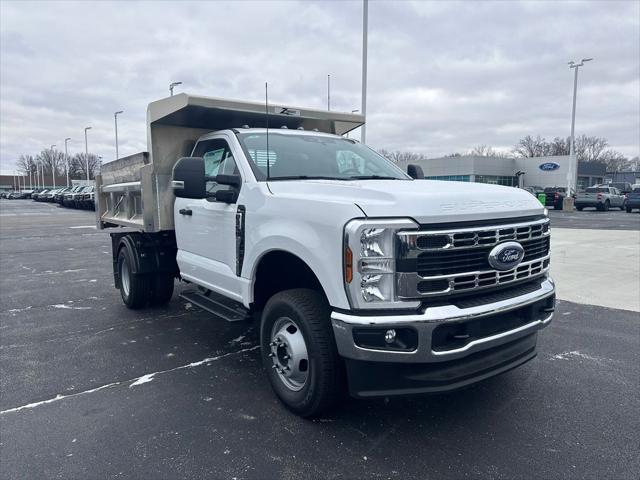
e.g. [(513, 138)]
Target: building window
[(451, 178), (497, 180)]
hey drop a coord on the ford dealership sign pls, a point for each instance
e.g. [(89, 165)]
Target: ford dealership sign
[(549, 166)]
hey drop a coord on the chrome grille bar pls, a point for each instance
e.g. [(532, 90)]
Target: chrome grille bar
[(413, 245)]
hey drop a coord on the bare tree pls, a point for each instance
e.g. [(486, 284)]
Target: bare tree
[(531, 147), (487, 151), (78, 166), (560, 146), (590, 149), (615, 161)]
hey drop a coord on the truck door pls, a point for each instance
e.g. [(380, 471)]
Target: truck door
[(205, 228)]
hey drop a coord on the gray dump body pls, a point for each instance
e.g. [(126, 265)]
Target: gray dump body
[(135, 191)]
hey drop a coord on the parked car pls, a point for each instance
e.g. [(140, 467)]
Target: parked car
[(71, 198), (50, 195), (633, 199), (555, 196), (624, 187), (39, 196), (600, 198), (60, 194), (86, 198)]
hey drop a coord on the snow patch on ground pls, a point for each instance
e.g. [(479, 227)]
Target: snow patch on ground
[(17, 310), (576, 354), (69, 307), (143, 379), (136, 381)]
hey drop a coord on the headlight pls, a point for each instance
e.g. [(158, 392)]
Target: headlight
[(370, 265)]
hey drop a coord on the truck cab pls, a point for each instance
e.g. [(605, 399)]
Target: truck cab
[(361, 277)]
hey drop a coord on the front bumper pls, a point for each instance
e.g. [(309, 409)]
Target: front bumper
[(442, 365)]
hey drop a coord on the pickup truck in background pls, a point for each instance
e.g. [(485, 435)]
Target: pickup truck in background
[(633, 199), (600, 198), (554, 197), (359, 275)]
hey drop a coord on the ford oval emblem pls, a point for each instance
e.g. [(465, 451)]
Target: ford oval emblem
[(548, 166), (506, 256)]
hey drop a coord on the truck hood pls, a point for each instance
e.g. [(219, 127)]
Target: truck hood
[(426, 201)]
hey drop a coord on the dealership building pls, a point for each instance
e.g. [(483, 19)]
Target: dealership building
[(523, 172)]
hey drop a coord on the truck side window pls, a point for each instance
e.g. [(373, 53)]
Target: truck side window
[(218, 159)]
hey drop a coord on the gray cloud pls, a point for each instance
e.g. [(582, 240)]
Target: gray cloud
[(443, 76)]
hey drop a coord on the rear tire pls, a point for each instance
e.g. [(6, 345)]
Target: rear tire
[(135, 290), (628, 209), (579, 208), (607, 206), (162, 284), (314, 379)]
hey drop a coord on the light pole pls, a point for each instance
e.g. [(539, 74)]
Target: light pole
[(328, 92), (572, 145), (352, 111), (53, 165), (365, 26), (115, 119), (173, 84), (86, 150), (66, 159)]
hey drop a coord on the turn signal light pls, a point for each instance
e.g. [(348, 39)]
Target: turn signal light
[(348, 265)]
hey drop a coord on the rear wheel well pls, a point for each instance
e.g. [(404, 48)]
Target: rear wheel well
[(279, 271)]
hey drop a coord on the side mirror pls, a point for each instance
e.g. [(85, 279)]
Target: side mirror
[(231, 195), (188, 178), (415, 172), (233, 180)]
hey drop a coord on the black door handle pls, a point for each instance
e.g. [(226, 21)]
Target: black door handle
[(185, 211)]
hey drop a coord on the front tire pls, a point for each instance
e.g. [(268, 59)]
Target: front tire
[(134, 289), (607, 206), (299, 352), (628, 209)]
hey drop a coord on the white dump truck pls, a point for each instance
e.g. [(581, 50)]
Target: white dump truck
[(362, 277)]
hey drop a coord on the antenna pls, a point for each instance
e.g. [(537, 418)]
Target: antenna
[(266, 110)]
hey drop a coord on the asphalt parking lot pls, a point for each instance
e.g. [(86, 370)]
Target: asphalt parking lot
[(90, 389)]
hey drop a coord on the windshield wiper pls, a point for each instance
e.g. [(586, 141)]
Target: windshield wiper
[(305, 177), (373, 177)]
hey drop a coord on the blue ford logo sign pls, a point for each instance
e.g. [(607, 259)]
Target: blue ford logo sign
[(548, 166), (506, 256)]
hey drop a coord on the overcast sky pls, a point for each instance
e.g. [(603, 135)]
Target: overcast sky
[(443, 77)]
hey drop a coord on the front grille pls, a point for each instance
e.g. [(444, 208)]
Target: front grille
[(454, 261), (459, 260)]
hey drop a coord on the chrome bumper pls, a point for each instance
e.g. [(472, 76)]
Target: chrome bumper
[(424, 323)]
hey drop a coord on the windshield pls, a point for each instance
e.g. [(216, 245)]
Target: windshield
[(597, 190), (554, 189), (314, 156)]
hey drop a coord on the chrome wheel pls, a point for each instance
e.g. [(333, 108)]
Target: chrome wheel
[(124, 276), (288, 353)]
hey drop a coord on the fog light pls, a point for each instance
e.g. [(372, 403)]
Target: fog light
[(390, 336)]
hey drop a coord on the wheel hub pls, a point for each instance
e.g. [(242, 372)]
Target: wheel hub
[(288, 353), (124, 277)]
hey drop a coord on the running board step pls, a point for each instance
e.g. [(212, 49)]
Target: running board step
[(229, 310)]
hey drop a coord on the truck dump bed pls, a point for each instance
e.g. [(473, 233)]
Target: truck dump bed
[(135, 191)]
